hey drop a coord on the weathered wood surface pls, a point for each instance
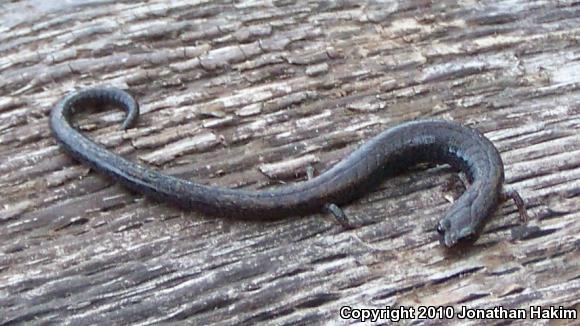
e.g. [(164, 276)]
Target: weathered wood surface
[(247, 95)]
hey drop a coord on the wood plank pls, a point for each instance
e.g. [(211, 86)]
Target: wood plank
[(246, 94)]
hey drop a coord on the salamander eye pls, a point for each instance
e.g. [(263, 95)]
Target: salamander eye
[(443, 226)]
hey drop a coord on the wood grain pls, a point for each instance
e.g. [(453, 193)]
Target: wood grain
[(247, 94)]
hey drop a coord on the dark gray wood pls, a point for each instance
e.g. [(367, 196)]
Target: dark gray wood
[(247, 95)]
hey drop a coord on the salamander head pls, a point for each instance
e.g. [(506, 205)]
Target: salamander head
[(452, 233), (467, 217)]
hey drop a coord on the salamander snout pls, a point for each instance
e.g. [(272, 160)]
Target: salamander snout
[(448, 237), (452, 231)]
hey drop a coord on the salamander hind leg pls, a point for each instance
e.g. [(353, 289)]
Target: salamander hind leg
[(310, 172), (331, 208), (339, 215)]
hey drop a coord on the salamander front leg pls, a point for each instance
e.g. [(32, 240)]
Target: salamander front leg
[(512, 194), (331, 208)]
